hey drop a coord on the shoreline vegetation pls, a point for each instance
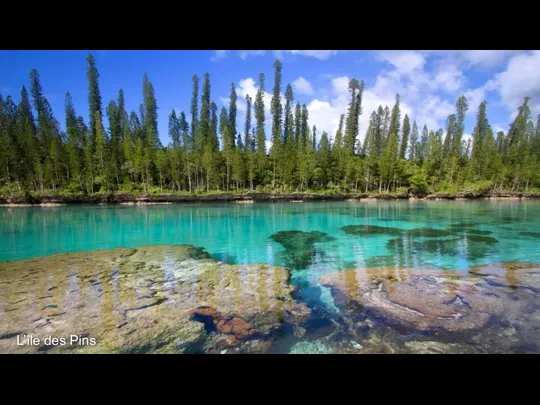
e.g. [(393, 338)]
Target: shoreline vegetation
[(117, 155), (53, 200)]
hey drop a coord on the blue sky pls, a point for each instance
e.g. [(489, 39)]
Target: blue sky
[(429, 82)]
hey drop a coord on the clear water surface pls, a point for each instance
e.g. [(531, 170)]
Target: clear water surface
[(417, 234)]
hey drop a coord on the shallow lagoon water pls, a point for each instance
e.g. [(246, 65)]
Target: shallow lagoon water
[(329, 236)]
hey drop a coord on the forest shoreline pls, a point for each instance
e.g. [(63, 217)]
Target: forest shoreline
[(131, 199)]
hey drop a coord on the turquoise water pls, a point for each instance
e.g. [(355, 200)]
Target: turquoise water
[(439, 234)]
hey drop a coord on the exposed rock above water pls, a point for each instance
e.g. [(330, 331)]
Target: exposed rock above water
[(139, 301), (490, 309)]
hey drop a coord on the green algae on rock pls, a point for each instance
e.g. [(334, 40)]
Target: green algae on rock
[(531, 234), (429, 232), (367, 230), (472, 248), (138, 301), (300, 246)]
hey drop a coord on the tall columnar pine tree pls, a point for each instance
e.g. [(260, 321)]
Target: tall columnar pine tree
[(405, 137), (249, 143), (414, 147), (261, 138), (355, 109), (276, 110), (94, 96)]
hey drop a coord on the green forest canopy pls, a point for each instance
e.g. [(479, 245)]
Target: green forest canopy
[(209, 150)]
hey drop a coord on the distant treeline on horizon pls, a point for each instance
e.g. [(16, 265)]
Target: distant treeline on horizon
[(211, 152)]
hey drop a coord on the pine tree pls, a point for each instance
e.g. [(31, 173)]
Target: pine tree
[(259, 117), (94, 96), (248, 141), (304, 137), (324, 159), (277, 119), (288, 115), (29, 144), (405, 138), (394, 120), (414, 148), (175, 154), (100, 152), (232, 116), (351, 128), (115, 131), (194, 106), (379, 128), (422, 152), (298, 124), (187, 143), (74, 143), (151, 114)]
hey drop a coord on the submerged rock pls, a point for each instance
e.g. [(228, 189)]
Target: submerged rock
[(531, 234), (470, 246), (477, 231), (367, 230), (484, 239), (464, 225), (490, 309), (300, 249), (429, 232), (139, 301)]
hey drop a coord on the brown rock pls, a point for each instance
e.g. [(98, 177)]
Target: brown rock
[(416, 299), (204, 311)]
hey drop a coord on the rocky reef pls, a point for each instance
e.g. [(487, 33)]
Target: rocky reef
[(152, 299), (489, 309)]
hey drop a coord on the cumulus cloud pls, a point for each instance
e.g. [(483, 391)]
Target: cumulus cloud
[(302, 86), (325, 114), (520, 79), (428, 83), (449, 79), (404, 62), (474, 58)]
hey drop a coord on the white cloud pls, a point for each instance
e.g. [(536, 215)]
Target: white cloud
[(218, 55), (302, 86), (474, 98), (428, 83), (487, 58), (321, 55), (245, 54), (325, 114), (449, 79), (404, 62), (317, 54), (475, 58), (520, 79)]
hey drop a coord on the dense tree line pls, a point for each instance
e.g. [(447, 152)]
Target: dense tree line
[(212, 151)]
